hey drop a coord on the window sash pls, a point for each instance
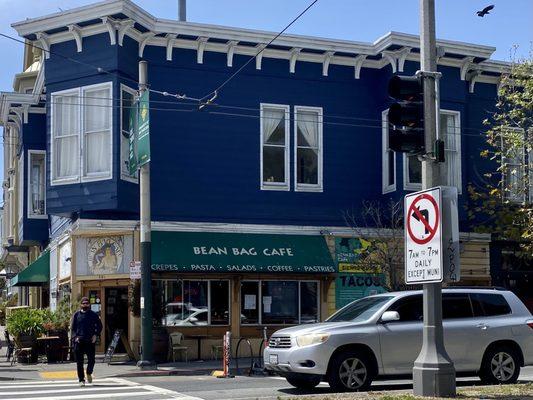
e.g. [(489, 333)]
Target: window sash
[(125, 91), (265, 126), (37, 190), (514, 173), (303, 123), (388, 175)]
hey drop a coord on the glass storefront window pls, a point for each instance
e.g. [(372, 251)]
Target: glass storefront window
[(188, 303), (279, 302), (219, 307), (249, 302), (308, 302)]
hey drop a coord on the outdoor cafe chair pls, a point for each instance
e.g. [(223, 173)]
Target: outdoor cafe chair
[(175, 345)]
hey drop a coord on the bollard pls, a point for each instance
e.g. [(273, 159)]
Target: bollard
[(226, 357)]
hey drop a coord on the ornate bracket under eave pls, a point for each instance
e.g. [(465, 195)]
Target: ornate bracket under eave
[(201, 42), (111, 28), (123, 28), (76, 33), (259, 55), (171, 38), (396, 58), (325, 64), (21, 112), (358, 64), (295, 52), (231, 50), (144, 41), (472, 78), (466, 65), (16, 120), (44, 43)]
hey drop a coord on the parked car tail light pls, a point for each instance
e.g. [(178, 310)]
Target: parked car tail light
[(529, 322)]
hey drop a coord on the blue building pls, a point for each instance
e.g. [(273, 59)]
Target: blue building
[(249, 194)]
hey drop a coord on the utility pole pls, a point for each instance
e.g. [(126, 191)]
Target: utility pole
[(146, 360), (433, 372)]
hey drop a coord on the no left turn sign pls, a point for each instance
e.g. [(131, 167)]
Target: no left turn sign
[(423, 238)]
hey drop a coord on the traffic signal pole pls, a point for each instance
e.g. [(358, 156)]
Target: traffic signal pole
[(433, 372), (146, 359)]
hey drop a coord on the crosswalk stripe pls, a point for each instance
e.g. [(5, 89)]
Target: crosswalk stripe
[(71, 381), (86, 388), (80, 396)]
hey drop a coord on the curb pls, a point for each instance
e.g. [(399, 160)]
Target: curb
[(159, 372)]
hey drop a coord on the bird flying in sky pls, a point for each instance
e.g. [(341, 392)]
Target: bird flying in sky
[(485, 11)]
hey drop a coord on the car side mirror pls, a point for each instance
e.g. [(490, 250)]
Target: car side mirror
[(193, 320), (389, 316)]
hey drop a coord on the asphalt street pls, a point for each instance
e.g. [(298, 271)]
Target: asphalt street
[(187, 388)]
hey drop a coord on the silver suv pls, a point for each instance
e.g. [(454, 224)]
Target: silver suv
[(487, 332)]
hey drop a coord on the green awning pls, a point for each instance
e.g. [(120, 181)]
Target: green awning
[(239, 252), (35, 274)]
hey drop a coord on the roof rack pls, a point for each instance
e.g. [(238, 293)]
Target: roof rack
[(477, 287)]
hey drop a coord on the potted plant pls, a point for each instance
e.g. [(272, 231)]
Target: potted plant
[(58, 324), (26, 325)]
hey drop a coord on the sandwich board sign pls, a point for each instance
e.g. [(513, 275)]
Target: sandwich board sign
[(423, 236)]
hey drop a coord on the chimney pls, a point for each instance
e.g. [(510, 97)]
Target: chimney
[(182, 12)]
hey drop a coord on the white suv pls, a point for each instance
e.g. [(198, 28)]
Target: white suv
[(487, 332)]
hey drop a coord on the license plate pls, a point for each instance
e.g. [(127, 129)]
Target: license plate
[(273, 359)]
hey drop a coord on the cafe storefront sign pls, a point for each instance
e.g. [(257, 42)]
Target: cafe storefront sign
[(235, 252)]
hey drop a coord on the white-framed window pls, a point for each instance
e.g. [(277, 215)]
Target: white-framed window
[(275, 302), (20, 187), (450, 132), (82, 125), (513, 160), (36, 184), (127, 100), (275, 146), (388, 157), (308, 153)]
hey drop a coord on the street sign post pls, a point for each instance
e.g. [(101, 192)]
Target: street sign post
[(423, 237), (450, 235)]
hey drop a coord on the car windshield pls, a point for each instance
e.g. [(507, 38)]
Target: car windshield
[(359, 310)]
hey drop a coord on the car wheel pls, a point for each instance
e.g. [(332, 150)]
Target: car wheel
[(500, 365), (301, 382), (350, 371)]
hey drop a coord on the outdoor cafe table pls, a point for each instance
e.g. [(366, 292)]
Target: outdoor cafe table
[(199, 339), (46, 340)]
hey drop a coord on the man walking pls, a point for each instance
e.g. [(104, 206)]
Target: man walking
[(86, 326)]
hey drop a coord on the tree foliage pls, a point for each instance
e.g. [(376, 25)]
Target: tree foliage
[(502, 204)]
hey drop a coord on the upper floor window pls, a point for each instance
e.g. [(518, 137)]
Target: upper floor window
[(308, 148), (514, 170), (82, 146), (20, 187), (36, 184), (388, 157), (275, 147), (450, 132), (127, 99)]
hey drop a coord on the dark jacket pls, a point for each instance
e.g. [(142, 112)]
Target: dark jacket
[(85, 325)]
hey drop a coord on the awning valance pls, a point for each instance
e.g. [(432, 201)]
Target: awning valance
[(240, 252), (35, 274)]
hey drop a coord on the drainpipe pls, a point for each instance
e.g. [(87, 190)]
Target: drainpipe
[(182, 12)]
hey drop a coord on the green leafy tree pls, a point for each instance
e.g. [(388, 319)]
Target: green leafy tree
[(502, 204)]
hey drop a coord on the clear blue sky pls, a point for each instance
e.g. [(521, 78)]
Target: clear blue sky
[(509, 24)]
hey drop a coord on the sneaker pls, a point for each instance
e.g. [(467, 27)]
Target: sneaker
[(89, 378), (82, 383)]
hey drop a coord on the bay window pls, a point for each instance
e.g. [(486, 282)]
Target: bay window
[(36, 184), (308, 148), (127, 99), (513, 165), (82, 121), (274, 147), (450, 132)]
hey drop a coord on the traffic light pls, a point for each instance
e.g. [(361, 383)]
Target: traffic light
[(406, 115)]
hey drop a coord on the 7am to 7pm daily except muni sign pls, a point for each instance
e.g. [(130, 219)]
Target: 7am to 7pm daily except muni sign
[(139, 135), (423, 237)]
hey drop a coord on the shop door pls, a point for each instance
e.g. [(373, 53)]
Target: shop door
[(116, 315), (95, 298)]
